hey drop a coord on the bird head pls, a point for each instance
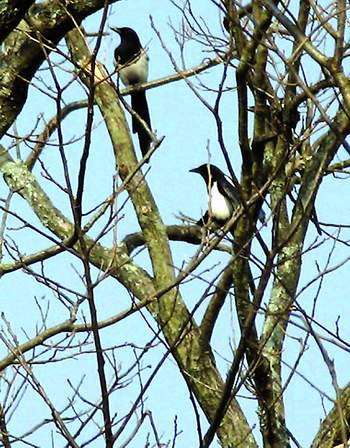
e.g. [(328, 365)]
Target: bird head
[(207, 171), (126, 33)]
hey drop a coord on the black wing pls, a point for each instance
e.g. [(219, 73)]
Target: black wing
[(227, 189)]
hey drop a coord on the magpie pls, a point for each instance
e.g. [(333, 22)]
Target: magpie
[(224, 197), (131, 62)]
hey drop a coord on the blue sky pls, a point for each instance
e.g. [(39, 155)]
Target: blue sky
[(189, 131)]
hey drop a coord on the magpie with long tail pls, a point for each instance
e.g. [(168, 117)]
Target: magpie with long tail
[(224, 197), (131, 63)]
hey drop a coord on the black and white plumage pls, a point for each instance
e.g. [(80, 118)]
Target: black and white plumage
[(224, 197), (131, 62)]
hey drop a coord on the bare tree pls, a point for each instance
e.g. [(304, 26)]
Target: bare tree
[(292, 93)]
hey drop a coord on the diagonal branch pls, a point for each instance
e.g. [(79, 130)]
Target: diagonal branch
[(24, 56)]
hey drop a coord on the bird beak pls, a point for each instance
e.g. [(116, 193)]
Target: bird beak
[(115, 29), (193, 170)]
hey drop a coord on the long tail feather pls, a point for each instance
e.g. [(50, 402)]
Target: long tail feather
[(139, 105)]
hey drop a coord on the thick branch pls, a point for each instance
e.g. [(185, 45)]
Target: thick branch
[(11, 12), (330, 433), (46, 24)]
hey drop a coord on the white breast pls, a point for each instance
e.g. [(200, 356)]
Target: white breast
[(220, 207), (135, 71)]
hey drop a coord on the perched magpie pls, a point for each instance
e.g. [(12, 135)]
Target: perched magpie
[(223, 195), (131, 62)]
